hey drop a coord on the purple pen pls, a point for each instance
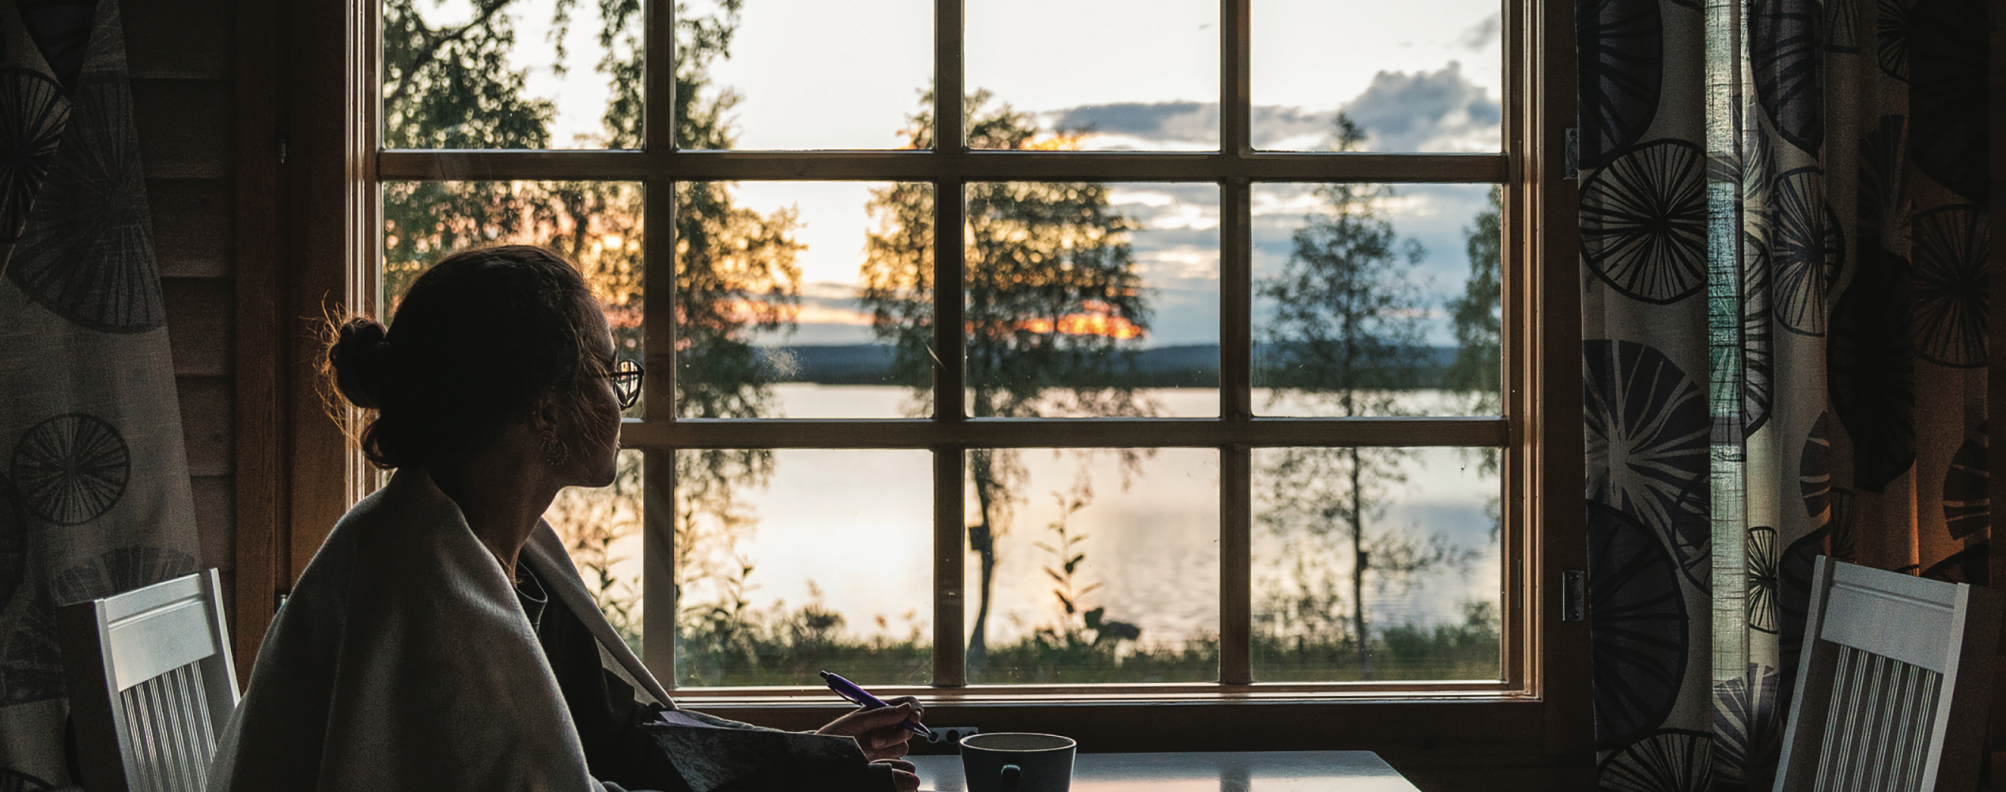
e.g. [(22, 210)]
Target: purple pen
[(862, 697)]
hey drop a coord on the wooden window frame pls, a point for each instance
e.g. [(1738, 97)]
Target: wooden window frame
[(324, 214)]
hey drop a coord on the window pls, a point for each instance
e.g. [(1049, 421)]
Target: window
[(1237, 358)]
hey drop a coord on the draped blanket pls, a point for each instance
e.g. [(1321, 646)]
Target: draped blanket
[(403, 660)]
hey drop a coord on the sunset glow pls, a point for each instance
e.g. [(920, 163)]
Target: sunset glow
[(1099, 319)]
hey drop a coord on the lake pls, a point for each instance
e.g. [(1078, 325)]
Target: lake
[(852, 530)]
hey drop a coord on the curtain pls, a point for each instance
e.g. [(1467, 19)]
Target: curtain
[(1783, 261), (93, 480)]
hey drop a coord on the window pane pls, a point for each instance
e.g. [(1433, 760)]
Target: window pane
[(595, 225), (791, 562), (1104, 566), (777, 286), (1425, 75), (1089, 299), (601, 528), (512, 74), (1376, 300), (1425, 522), (820, 74), (1108, 74)]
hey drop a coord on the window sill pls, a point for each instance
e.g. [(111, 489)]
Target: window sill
[(1435, 730)]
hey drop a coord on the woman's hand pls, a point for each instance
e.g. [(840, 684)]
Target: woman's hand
[(905, 777), (877, 730)]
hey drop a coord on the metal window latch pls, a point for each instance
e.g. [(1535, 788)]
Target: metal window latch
[(1573, 595), (1571, 154)]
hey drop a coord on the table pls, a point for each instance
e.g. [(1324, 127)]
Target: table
[(1240, 771)]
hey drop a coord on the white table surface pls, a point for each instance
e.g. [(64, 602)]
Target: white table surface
[(1249, 771)]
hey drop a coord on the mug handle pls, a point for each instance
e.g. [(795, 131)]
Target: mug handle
[(1009, 777)]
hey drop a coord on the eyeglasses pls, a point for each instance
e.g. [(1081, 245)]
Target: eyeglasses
[(626, 376)]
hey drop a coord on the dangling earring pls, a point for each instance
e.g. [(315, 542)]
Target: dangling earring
[(554, 451)]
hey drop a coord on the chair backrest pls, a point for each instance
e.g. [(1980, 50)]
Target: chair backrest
[(151, 684), (1893, 685)]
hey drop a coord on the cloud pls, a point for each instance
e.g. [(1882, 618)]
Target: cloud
[(1190, 122), (1482, 35), (1426, 111), (1401, 111)]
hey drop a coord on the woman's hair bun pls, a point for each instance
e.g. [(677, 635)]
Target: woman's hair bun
[(360, 357)]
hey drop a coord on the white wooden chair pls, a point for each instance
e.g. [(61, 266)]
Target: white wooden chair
[(1893, 685), (150, 684)]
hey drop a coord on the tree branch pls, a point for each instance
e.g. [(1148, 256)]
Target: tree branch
[(431, 50)]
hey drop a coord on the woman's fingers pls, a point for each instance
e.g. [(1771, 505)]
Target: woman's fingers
[(877, 730), (885, 744), (917, 709), (864, 720), (904, 775)]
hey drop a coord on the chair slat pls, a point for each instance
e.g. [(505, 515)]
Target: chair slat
[(197, 729), (175, 717), (1878, 724), (151, 643), (1900, 627), (139, 773)]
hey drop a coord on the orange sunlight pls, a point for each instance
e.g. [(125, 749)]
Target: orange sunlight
[(1099, 319)]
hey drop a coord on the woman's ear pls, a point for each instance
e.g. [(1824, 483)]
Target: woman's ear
[(543, 416)]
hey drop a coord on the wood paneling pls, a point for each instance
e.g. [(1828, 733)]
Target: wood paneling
[(206, 407), (260, 375), (182, 39), (215, 507), (185, 127), (193, 226), (200, 325), (179, 57)]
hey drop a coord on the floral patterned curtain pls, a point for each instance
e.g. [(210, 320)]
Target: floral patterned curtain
[(93, 480), (1784, 242)]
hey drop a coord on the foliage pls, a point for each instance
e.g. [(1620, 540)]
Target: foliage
[(1054, 306), (1469, 650), (1478, 368), (1478, 313), (765, 650), (1347, 333)]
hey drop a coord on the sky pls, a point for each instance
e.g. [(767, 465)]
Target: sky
[(1420, 75)]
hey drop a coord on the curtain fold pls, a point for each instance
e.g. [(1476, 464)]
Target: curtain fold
[(1784, 242), (94, 492)]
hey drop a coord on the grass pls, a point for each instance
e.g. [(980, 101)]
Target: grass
[(791, 650)]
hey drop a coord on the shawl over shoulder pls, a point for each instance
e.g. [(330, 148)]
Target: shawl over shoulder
[(403, 660)]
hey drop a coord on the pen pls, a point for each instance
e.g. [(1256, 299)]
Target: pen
[(849, 690)]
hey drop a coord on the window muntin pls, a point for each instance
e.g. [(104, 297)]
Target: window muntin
[(672, 177)]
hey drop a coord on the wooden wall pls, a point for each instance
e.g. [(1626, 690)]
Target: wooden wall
[(180, 56)]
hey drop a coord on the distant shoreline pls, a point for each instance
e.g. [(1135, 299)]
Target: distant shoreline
[(1181, 366)]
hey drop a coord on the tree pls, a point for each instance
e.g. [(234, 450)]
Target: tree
[(454, 87), (1053, 306), (1478, 367), (1347, 333)]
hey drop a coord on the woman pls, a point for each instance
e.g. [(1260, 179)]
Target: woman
[(440, 639)]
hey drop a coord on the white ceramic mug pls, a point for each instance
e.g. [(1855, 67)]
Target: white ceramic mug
[(1017, 762)]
